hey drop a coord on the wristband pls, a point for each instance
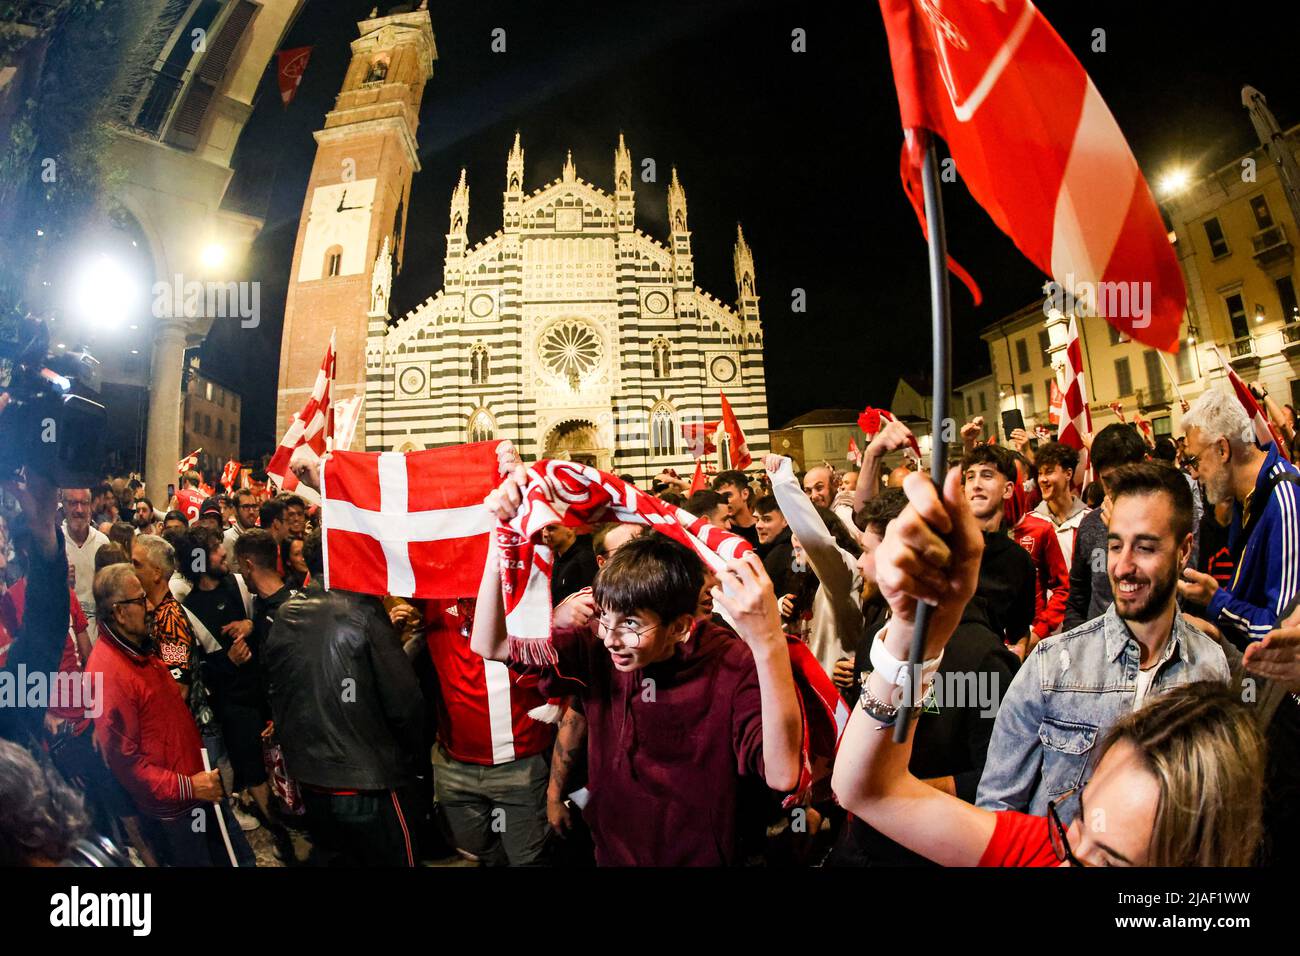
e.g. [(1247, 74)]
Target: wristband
[(891, 669)]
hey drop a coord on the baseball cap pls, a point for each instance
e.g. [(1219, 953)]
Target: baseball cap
[(211, 505)]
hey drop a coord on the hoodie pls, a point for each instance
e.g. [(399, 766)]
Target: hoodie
[(668, 746)]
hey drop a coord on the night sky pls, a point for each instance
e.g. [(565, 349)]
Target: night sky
[(800, 147)]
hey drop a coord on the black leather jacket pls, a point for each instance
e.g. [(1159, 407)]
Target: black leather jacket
[(347, 707)]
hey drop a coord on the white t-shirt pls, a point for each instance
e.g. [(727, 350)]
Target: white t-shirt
[(81, 558), (1145, 677)]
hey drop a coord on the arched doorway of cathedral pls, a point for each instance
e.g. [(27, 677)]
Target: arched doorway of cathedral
[(409, 445), (576, 440)]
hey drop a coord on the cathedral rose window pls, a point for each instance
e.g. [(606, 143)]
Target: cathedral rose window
[(569, 350)]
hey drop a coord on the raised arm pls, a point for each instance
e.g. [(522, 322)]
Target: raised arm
[(892, 437), (931, 553)]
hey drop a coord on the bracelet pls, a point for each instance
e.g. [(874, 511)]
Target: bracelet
[(892, 669), (883, 711)]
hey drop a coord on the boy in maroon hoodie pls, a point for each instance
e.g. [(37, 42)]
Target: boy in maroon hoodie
[(679, 711)]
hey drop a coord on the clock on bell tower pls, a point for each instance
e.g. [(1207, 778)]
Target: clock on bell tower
[(365, 157)]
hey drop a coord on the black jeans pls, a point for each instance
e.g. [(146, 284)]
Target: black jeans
[(365, 828)]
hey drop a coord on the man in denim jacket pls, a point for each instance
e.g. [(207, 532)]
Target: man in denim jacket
[(1073, 687)]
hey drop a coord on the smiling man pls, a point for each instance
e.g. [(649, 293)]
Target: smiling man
[(1075, 686)]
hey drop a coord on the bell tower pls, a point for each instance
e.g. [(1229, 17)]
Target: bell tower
[(353, 215)]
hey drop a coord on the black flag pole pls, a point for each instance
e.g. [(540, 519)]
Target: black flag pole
[(941, 326)]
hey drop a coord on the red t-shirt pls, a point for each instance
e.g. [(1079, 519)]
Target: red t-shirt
[(1019, 840), (12, 607), (189, 501)]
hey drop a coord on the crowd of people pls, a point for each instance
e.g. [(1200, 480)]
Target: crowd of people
[(1122, 634)]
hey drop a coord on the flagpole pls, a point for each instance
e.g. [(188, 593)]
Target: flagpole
[(941, 326)]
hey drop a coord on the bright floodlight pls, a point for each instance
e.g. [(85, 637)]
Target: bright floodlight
[(214, 254), (1174, 181), (104, 291)]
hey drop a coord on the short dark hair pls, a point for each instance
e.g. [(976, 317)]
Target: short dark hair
[(144, 501), (882, 509), (258, 476), (257, 545), (242, 493), (291, 500), (176, 516), (733, 477), (766, 505), (601, 533), (703, 502), (313, 554), (1056, 453), (1165, 450), (1149, 479), (843, 537), (994, 455), (627, 479), (1115, 445), (674, 498), (1094, 494), (272, 510), (651, 573)]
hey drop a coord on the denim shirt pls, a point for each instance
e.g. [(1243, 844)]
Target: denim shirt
[(1071, 690)]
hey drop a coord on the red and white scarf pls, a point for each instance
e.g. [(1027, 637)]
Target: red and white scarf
[(572, 494)]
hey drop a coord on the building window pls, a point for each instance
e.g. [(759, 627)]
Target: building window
[(207, 424), (1022, 355), (1183, 363), (221, 429), (970, 407), (198, 423), (1123, 377), (1214, 232), (481, 426), (984, 403), (1044, 343), (1263, 218), (1286, 292), (1237, 315), (661, 432), (333, 260), (1027, 399), (234, 436), (1155, 373), (661, 357), (378, 71), (478, 365)]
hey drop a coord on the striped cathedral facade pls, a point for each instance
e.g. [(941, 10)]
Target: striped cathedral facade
[(569, 331)]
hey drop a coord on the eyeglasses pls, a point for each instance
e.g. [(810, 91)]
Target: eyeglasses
[(142, 600), (1056, 831), (252, 507), (628, 636), (1191, 461)]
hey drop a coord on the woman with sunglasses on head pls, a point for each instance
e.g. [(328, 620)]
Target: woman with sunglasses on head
[(1178, 783)]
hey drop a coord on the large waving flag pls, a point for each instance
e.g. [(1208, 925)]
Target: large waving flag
[(1039, 150), (307, 432), (737, 448), (408, 524)]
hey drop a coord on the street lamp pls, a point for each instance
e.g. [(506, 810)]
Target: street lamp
[(1174, 181), (104, 291), (213, 255)]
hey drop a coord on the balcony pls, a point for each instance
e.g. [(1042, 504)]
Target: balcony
[(1242, 353), (1154, 399), (1291, 339), (1272, 247)]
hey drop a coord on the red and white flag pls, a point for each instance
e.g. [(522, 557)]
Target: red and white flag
[(1076, 418), (854, 456), (189, 462), (699, 481), (1118, 409), (346, 415), (408, 524), (699, 437), (307, 432), (1036, 145), (290, 65), (872, 420), (230, 473), (739, 451), (1265, 434)]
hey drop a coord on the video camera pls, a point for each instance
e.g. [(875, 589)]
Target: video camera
[(46, 428)]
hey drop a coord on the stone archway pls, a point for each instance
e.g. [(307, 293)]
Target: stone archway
[(576, 440)]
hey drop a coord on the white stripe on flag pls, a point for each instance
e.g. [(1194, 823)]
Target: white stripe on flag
[(500, 721), (393, 501), (1095, 195)]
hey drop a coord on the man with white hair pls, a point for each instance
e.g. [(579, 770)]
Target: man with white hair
[(1264, 537)]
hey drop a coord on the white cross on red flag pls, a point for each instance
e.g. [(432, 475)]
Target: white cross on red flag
[(737, 448), (1036, 145), (307, 432), (410, 524)]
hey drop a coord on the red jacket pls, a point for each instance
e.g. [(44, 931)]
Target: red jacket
[(145, 731), (1052, 579)]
